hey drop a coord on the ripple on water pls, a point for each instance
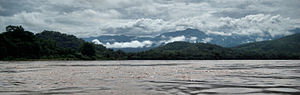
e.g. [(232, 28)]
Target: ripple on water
[(231, 90), (288, 90), (66, 90), (108, 65), (197, 86), (204, 77), (8, 71)]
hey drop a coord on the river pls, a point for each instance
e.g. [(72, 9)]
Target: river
[(148, 77)]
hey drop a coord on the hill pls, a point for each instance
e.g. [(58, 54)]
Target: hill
[(62, 40), (288, 44), (283, 48), (185, 50), (190, 35), (18, 44)]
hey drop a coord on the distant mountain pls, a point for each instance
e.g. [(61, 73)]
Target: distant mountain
[(283, 48), (189, 47), (128, 50), (296, 30), (18, 44), (190, 35), (186, 50), (111, 38), (289, 44), (225, 41)]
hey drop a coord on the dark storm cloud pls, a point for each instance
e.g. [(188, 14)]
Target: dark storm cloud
[(85, 18), (11, 7)]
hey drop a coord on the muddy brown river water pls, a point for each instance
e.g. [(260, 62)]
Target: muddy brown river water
[(147, 77)]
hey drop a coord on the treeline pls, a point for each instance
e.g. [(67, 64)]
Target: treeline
[(18, 44), (201, 51), (283, 48)]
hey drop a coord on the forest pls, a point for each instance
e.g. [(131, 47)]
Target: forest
[(18, 44)]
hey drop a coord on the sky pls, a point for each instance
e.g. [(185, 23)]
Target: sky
[(91, 18)]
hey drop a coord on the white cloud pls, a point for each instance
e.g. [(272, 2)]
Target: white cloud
[(143, 26), (163, 36), (259, 39), (132, 44), (174, 39), (206, 40), (257, 24), (146, 43), (96, 41), (193, 39), (86, 18)]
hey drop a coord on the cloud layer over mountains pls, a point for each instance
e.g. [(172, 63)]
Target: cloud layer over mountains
[(87, 18), (145, 43), (132, 44)]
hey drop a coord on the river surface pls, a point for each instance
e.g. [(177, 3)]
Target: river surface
[(193, 77)]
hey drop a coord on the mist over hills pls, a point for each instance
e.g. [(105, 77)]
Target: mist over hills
[(128, 43), (18, 44), (285, 45), (283, 48)]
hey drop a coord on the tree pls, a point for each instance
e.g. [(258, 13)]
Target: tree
[(12, 28), (17, 43), (3, 49), (88, 49)]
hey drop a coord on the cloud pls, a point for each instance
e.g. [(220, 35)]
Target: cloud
[(206, 40), (259, 39), (174, 39), (96, 41), (86, 18), (132, 44), (259, 24), (141, 26), (193, 39), (146, 43)]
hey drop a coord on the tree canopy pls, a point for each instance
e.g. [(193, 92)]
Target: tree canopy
[(18, 44)]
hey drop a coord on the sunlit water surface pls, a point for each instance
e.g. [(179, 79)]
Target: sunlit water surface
[(150, 77)]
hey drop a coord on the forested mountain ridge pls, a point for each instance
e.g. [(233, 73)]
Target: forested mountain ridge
[(288, 44), (18, 44), (283, 48), (63, 40), (190, 35), (185, 50)]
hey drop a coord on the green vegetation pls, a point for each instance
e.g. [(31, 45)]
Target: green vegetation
[(18, 44), (88, 49), (283, 48), (185, 50)]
